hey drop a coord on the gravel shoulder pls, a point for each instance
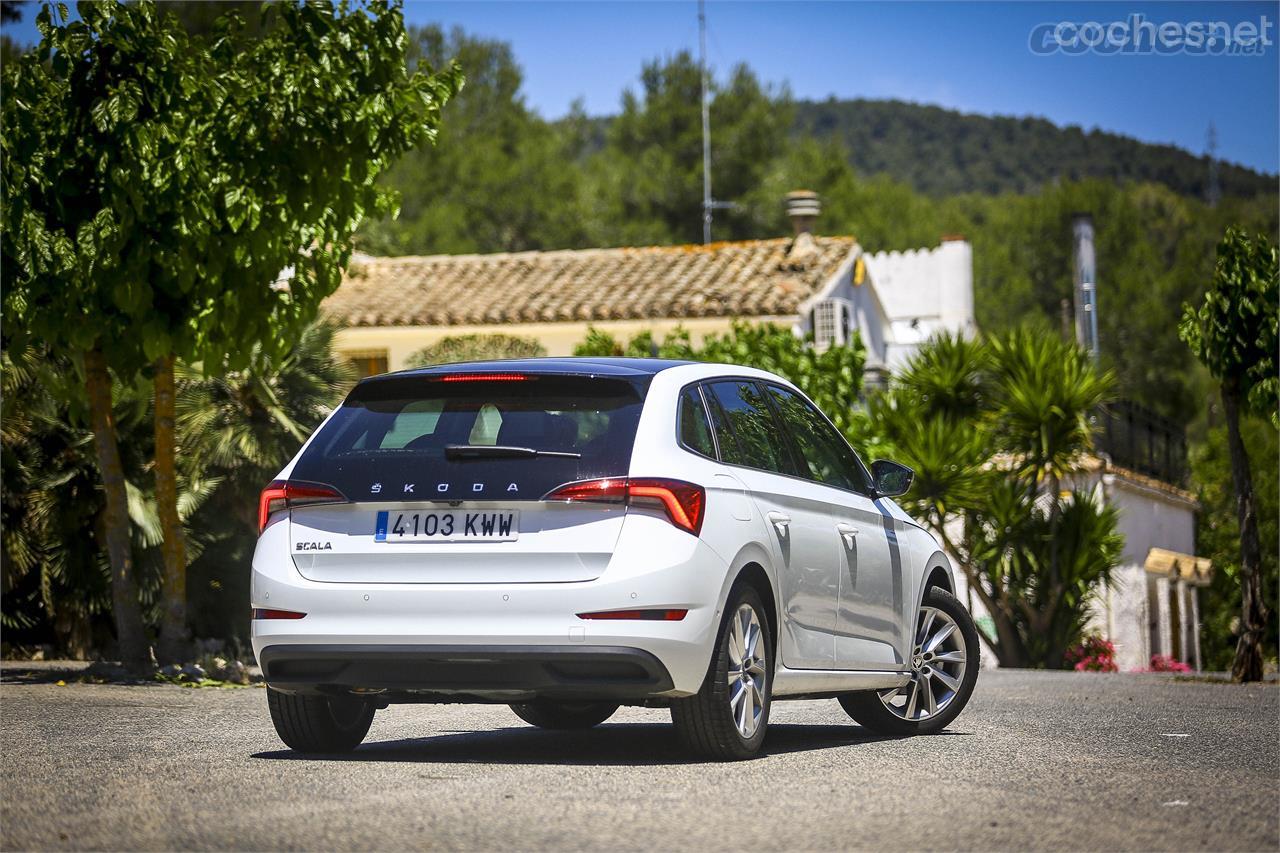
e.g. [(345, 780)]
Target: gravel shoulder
[(1039, 760)]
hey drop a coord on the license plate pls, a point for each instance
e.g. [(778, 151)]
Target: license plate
[(460, 526)]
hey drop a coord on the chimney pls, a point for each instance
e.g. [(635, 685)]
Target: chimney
[(803, 207)]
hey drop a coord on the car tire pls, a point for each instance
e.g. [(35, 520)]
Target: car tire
[(948, 670), (564, 715), (308, 723), (714, 722)]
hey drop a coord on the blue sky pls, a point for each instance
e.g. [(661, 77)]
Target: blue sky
[(968, 56)]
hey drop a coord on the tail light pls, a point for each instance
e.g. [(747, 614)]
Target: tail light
[(684, 503), (281, 494)]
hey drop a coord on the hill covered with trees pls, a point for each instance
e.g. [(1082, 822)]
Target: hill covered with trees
[(940, 152)]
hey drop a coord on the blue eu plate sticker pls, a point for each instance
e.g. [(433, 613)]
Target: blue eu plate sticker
[(380, 528)]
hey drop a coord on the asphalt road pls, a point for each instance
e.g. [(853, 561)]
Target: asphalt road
[(1039, 760)]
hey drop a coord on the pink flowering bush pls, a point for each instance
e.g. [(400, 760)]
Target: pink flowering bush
[(1093, 654), (1167, 663)]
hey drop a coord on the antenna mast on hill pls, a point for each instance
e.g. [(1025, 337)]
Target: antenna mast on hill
[(1211, 149)]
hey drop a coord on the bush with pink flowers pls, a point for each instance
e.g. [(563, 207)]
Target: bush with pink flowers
[(1167, 663), (1093, 654)]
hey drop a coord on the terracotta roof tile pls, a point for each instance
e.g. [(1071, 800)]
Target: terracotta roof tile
[(751, 278)]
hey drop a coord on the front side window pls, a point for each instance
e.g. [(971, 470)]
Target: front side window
[(749, 434), (827, 457)]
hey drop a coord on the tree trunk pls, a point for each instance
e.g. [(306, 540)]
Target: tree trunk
[(173, 623), (130, 634), (1253, 612)]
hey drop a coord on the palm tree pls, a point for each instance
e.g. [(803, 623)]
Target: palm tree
[(992, 429), (239, 429)]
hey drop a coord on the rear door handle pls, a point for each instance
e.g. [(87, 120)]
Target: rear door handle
[(848, 533), (780, 521)]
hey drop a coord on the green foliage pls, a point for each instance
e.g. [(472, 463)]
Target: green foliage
[(1236, 331), (992, 428), (241, 427), (495, 177), (53, 562), (158, 186), (832, 378), (645, 186), (476, 348), (1218, 535)]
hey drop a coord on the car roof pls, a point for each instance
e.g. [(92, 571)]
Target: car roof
[(580, 366)]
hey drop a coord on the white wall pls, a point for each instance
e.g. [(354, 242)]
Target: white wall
[(1149, 518)]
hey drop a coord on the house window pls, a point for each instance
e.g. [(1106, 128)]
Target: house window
[(367, 362), (831, 323)]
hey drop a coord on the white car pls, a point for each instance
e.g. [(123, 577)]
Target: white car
[(571, 535)]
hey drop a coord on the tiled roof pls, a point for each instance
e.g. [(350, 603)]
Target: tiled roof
[(754, 278)]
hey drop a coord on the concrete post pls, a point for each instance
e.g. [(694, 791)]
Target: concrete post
[(1195, 624)]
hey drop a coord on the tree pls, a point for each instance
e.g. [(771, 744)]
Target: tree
[(1234, 333), (646, 184), (1218, 533), (992, 430), (171, 183), (495, 179), (476, 348)]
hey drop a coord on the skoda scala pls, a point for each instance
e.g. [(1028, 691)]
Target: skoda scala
[(566, 536)]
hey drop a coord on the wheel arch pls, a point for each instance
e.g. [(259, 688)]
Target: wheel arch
[(752, 564), (937, 572)]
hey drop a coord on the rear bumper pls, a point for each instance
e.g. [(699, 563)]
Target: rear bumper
[(655, 566), (467, 673)]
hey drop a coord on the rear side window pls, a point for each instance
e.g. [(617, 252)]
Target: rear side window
[(695, 431), (747, 430), (827, 458), (390, 439)]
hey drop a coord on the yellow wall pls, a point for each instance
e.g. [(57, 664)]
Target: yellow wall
[(400, 342)]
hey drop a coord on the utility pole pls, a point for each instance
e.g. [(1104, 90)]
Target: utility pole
[(706, 123), (709, 204)]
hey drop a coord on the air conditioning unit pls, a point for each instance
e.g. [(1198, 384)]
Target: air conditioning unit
[(832, 322)]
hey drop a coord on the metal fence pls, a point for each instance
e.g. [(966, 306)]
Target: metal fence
[(1141, 440)]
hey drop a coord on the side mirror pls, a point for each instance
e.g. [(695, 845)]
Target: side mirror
[(891, 479)]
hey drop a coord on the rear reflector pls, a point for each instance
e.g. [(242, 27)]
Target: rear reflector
[(647, 615), (259, 613), (280, 494), (684, 503)]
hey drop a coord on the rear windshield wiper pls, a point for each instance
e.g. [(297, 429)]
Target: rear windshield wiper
[(500, 451)]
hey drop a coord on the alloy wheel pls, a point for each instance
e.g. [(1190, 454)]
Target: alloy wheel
[(938, 661), (747, 670)]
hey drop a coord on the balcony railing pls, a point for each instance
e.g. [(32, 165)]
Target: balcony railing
[(1141, 440)]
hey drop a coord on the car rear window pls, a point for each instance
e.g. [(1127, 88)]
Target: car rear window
[(389, 439)]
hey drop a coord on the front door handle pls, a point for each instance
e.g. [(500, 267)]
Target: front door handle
[(780, 521), (849, 534)]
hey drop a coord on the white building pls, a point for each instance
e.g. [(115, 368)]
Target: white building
[(389, 308)]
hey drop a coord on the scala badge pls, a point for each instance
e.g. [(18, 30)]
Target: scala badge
[(314, 546)]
